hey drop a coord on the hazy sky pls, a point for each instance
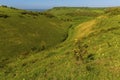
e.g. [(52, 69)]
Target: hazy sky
[(38, 4)]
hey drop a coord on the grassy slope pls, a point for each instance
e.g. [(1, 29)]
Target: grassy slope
[(20, 33), (100, 60), (76, 14)]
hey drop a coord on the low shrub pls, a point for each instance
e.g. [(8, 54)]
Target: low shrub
[(47, 14), (3, 16), (4, 6), (90, 57), (13, 8), (80, 51)]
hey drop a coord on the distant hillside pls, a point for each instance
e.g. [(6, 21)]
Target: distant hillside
[(36, 10), (79, 14), (22, 32)]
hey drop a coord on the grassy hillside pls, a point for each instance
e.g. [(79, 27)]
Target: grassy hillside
[(74, 14), (91, 52), (22, 32)]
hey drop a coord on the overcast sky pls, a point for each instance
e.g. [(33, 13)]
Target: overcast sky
[(39, 4)]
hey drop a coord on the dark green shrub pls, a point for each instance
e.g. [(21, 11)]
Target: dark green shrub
[(24, 64), (4, 6), (49, 15), (29, 13), (91, 57), (41, 13), (3, 16), (80, 51), (21, 16), (66, 19), (34, 48), (13, 8), (83, 13), (112, 11)]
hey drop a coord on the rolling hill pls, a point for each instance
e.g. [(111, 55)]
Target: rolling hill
[(23, 32), (90, 52), (76, 14)]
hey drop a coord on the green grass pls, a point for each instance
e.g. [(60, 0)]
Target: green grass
[(22, 33), (97, 43), (104, 44)]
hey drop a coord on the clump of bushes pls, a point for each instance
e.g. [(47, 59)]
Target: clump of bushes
[(80, 51), (3, 16), (21, 16), (47, 14), (113, 11), (83, 13), (13, 8), (4, 6), (29, 13), (90, 57), (37, 14), (66, 19)]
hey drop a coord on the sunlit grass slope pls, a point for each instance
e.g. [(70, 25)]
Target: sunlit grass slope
[(91, 52), (23, 31), (99, 61)]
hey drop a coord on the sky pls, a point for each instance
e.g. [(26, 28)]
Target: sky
[(44, 4)]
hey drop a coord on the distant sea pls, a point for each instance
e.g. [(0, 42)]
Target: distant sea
[(37, 10)]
